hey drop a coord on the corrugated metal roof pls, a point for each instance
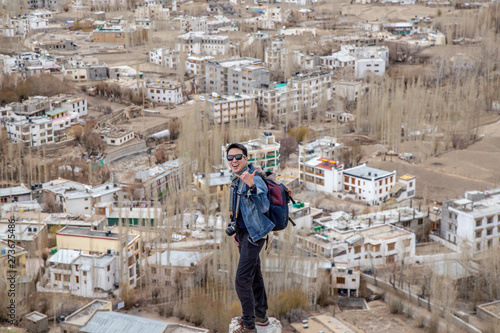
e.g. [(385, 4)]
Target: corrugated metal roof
[(115, 322)]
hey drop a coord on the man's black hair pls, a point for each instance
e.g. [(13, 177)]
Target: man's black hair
[(239, 146)]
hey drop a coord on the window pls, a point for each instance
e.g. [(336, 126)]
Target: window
[(357, 249), (77, 279), (67, 278), (489, 232), (391, 246), (153, 270), (84, 273), (478, 223), (478, 246), (108, 268), (489, 219), (376, 248), (57, 277)]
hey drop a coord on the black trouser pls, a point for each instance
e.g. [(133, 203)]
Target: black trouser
[(249, 281)]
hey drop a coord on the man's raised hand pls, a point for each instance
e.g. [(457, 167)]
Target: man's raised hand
[(247, 177)]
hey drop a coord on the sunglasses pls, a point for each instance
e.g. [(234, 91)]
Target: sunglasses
[(237, 156)]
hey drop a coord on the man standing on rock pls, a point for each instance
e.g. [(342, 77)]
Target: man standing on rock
[(249, 226)]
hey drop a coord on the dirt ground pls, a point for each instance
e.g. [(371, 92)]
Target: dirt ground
[(452, 173), (379, 319), (388, 12)]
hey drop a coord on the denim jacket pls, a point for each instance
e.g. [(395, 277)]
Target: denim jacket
[(253, 208)]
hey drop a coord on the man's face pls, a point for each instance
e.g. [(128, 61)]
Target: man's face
[(236, 165)]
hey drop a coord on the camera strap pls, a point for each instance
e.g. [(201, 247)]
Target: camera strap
[(236, 210)]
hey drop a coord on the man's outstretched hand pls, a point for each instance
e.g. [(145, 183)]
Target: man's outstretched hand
[(247, 177)]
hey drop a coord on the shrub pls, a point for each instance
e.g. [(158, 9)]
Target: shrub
[(286, 300), (396, 306)]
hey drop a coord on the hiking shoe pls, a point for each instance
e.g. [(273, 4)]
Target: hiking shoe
[(243, 329), (261, 321)]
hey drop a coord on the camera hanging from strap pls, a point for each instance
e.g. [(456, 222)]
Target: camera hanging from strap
[(234, 211)]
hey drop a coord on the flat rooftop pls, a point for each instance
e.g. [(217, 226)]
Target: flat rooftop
[(86, 232), (81, 316), (368, 173)]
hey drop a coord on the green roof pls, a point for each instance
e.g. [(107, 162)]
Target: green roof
[(279, 85), (55, 111)]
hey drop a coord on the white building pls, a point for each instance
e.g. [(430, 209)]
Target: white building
[(301, 93), (358, 247), (15, 194), (82, 275), (74, 105), (34, 131), (235, 76), (116, 136), (77, 198), (349, 90), (362, 59), (165, 93), (369, 184), (145, 23), (194, 24), (225, 109), (153, 12), (170, 267), (201, 43), (326, 147), (322, 174), (263, 152), (196, 65), (164, 57), (473, 220), (303, 215)]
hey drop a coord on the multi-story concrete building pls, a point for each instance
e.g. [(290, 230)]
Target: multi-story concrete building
[(153, 12), (34, 131), (323, 174), (32, 107), (349, 90), (194, 24), (78, 73), (94, 242), (97, 72), (196, 65), (226, 109), (82, 275), (369, 184), (73, 104), (421, 25), (362, 59), (280, 58), (263, 152), (235, 76), (165, 93), (363, 247), (173, 267), (77, 198), (473, 220), (303, 92), (201, 43), (165, 57), (277, 100), (155, 182)]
